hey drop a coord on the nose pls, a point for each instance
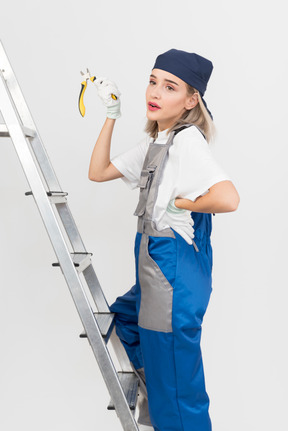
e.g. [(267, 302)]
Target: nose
[(155, 91)]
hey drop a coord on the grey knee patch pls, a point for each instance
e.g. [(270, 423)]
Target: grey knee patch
[(144, 416), (142, 404), (142, 380)]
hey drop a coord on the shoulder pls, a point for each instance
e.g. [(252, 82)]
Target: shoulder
[(191, 133), (134, 154), (190, 140), (144, 142), (142, 145)]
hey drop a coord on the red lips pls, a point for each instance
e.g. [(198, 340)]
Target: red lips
[(153, 106)]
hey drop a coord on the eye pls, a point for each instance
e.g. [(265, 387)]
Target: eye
[(152, 82), (170, 88)]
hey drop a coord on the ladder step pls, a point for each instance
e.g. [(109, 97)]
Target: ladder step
[(4, 131), (129, 382), (55, 197), (29, 133), (81, 261), (105, 322)]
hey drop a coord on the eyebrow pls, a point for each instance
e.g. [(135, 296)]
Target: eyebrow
[(168, 80)]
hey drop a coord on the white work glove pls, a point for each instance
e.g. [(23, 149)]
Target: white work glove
[(180, 220), (105, 89)]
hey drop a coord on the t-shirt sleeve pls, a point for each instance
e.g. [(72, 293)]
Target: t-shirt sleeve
[(198, 169), (130, 163)]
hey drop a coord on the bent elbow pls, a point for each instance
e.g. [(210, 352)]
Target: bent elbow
[(92, 177), (235, 203)]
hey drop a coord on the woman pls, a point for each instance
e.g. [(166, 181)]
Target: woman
[(159, 319)]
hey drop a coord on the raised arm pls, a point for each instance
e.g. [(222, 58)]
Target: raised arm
[(101, 169)]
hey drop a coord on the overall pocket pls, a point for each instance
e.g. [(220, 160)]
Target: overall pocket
[(163, 253), (144, 184)]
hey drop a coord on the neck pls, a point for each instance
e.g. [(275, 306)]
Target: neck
[(166, 125)]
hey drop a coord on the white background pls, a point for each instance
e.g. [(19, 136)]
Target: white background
[(49, 377)]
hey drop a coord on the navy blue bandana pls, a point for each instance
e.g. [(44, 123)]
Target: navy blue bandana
[(191, 68)]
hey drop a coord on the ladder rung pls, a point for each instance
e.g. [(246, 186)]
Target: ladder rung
[(55, 197), (58, 199), (29, 133), (105, 322), (4, 131), (81, 261), (129, 382)]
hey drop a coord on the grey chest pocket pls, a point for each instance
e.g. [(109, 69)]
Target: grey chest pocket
[(144, 184)]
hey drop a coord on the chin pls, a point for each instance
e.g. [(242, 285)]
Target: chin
[(151, 116)]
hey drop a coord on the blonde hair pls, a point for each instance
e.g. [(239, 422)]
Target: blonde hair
[(197, 115)]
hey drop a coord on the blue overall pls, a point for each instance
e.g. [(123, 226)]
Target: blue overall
[(159, 319)]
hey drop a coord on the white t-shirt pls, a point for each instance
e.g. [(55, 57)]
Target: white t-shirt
[(190, 169)]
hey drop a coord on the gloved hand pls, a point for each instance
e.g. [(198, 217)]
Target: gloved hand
[(180, 220), (105, 89)]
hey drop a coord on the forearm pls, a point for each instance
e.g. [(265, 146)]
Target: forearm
[(203, 204), (100, 158), (219, 199)]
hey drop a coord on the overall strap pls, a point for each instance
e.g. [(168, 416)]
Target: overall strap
[(149, 183), (188, 125)]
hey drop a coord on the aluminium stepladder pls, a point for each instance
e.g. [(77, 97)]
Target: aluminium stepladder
[(73, 259)]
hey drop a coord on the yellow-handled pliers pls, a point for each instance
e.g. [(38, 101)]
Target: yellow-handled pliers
[(86, 75)]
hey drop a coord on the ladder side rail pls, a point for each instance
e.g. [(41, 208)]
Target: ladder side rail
[(33, 177), (26, 119), (44, 163), (50, 178), (38, 148), (63, 211), (100, 351), (70, 227), (39, 193), (15, 131), (120, 352), (36, 144), (96, 290), (71, 276), (78, 245), (27, 159), (15, 89), (109, 372)]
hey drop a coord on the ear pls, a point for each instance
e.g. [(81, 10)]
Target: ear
[(191, 101)]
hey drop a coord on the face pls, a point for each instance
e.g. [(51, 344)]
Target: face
[(167, 99)]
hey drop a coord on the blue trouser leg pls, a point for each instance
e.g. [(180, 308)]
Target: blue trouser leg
[(126, 323), (126, 309), (172, 360), (191, 296)]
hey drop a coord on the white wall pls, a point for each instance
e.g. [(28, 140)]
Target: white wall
[(49, 377)]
